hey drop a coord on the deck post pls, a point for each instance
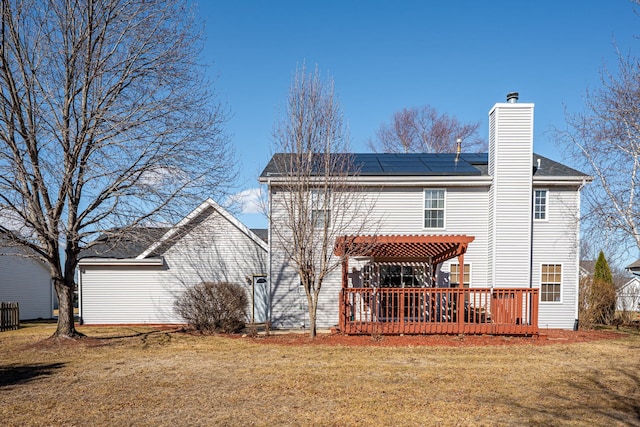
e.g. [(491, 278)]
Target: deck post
[(460, 297), (343, 316), (345, 272), (461, 270)]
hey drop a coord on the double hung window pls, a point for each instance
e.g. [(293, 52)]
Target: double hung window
[(551, 283), (434, 208), (320, 209)]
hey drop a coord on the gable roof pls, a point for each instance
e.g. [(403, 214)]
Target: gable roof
[(194, 218), (634, 266), (147, 242), (630, 286), (420, 164)]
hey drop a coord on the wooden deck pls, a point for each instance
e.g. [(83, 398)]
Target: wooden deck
[(439, 311)]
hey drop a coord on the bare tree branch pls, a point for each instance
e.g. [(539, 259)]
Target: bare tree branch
[(424, 130), (105, 122), (314, 198), (604, 140)]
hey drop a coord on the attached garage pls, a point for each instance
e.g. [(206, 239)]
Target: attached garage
[(137, 279)]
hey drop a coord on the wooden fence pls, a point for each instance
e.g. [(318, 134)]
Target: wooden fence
[(9, 316), (439, 311)]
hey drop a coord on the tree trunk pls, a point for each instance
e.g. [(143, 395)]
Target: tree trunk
[(66, 325), (312, 325)]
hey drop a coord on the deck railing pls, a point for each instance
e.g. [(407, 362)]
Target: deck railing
[(512, 311)]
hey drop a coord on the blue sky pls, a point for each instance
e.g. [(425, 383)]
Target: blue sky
[(460, 57)]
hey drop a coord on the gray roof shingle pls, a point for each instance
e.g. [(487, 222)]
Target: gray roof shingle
[(262, 233), (123, 246), (421, 164)]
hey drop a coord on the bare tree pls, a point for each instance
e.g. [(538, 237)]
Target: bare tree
[(604, 141), (105, 123), (314, 198), (424, 130)]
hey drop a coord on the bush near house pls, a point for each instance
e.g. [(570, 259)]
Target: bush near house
[(596, 297), (210, 307), (597, 302)]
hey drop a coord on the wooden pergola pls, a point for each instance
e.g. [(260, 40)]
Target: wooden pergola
[(432, 249)]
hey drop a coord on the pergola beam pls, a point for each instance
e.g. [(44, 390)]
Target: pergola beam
[(435, 248)]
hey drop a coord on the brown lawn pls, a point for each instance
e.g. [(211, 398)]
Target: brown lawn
[(146, 376)]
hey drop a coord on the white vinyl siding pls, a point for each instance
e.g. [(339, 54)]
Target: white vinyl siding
[(510, 157), (555, 241), (127, 295), (214, 250), (394, 213), (27, 282)]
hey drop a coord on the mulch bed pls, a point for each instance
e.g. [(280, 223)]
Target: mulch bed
[(546, 337)]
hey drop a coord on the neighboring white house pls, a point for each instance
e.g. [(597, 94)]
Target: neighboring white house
[(521, 211), (628, 296), (26, 281), (136, 280)]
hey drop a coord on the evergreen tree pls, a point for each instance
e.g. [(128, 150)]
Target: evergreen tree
[(603, 291), (601, 270)]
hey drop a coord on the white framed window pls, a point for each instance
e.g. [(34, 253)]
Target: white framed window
[(320, 209), (551, 283), (434, 208), (540, 201), (454, 275)]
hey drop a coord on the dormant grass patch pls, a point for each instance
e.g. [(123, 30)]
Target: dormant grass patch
[(149, 376)]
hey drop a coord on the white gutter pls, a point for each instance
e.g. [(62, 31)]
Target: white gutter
[(417, 180), (562, 180), (151, 262)]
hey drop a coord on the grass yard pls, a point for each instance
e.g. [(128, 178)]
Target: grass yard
[(145, 376)]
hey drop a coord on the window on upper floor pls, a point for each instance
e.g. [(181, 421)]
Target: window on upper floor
[(434, 208), (551, 283), (540, 205), (320, 209)]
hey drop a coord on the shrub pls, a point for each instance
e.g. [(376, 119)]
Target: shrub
[(596, 300), (214, 307)]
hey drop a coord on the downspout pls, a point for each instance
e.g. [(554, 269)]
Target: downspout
[(576, 322), (270, 238), (533, 202), (80, 319)]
